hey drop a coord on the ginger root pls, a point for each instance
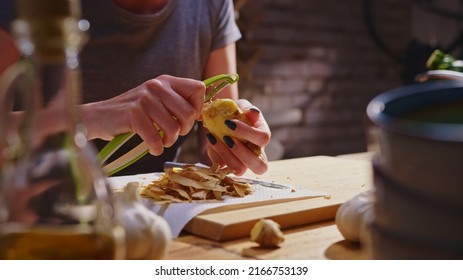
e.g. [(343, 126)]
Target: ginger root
[(216, 112), (267, 233)]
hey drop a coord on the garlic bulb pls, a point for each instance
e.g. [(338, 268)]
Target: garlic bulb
[(267, 233), (148, 235), (353, 217)]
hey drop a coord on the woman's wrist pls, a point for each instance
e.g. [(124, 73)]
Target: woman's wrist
[(89, 116)]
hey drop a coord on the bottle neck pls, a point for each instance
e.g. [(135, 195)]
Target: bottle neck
[(52, 46), (57, 91)]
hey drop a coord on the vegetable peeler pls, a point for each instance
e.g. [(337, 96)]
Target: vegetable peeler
[(213, 86)]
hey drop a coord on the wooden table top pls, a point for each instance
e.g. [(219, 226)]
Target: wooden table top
[(320, 240)]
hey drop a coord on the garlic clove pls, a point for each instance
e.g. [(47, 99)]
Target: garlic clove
[(354, 216), (267, 233)]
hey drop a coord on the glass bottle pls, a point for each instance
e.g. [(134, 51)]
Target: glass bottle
[(55, 200)]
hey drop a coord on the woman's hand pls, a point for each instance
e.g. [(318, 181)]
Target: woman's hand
[(233, 153), (166, 103)]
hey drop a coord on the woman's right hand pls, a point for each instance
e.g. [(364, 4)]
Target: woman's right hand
[(166, 103)]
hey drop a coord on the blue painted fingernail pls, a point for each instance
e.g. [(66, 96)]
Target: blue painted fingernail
[(211, 138), (228, 141), (254, 109), (230, 124)]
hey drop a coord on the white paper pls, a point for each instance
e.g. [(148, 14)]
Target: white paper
[(178, 215)]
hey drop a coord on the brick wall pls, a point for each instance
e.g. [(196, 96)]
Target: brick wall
[(318, 57), (316, 61)]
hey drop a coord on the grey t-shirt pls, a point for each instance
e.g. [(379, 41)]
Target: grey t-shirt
[(126, 49)]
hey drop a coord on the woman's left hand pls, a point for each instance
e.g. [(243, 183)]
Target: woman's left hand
[(233, 153)]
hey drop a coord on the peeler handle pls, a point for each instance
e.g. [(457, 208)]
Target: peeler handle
[(213, 86)]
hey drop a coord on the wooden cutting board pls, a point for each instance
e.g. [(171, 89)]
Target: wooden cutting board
[(341, 178)]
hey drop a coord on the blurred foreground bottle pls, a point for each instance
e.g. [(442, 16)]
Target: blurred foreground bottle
[(55, 201)]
